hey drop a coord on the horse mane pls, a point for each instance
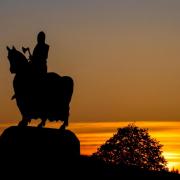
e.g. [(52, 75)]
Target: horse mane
[(20, 57)]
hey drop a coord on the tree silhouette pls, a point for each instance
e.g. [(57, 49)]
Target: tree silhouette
[(132, 146)]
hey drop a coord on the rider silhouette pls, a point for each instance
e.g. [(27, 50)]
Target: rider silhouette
[(40, 54)]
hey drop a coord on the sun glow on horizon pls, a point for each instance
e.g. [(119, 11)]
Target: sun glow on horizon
[(92, 135)]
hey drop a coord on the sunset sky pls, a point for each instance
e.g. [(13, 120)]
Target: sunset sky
[(124, 57)]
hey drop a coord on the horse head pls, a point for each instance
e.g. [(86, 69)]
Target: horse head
[(18, 62)]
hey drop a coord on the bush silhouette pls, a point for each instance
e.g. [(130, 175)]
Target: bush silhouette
[(132, 146)]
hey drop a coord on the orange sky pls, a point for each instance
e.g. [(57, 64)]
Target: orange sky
[(93, 134), (123, 56)]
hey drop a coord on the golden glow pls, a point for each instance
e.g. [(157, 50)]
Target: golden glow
[(123, 56), (92, 135)]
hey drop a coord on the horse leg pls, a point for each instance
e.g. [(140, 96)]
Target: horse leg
[(24, 121), (65, 124), (42, 123)]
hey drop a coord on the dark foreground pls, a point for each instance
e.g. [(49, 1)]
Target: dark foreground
[(31, 153)]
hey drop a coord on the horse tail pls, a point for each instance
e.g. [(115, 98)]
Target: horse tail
[(68, 85)]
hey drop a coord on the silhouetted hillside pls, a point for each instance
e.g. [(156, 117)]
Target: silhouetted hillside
[(30, 152)]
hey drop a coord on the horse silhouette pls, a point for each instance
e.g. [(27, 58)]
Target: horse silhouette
[(46, 97)]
